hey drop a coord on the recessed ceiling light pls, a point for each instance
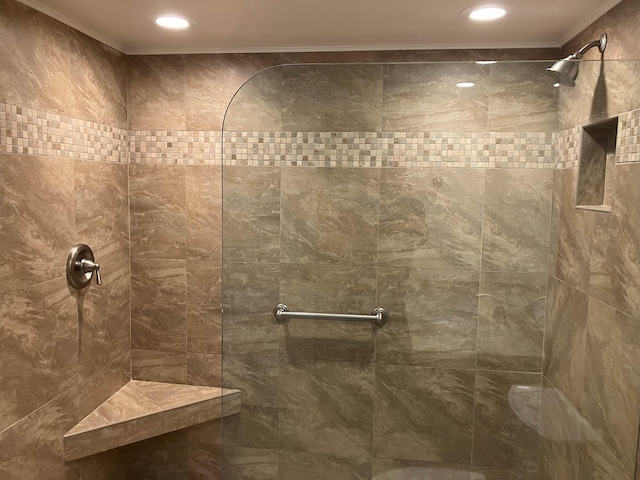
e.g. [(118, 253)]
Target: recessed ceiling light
[(175, 22), (486, 62), (465, 85), (484, 13)]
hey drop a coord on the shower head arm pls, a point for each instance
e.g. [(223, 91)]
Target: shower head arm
[(601, 43)]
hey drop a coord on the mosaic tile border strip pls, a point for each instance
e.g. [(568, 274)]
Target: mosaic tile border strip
[(628, 149), (175, 147), (34, 132), (391, 149), (568, 148)]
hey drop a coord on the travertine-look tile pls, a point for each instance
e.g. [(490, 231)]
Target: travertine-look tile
[(204, 306), (158, 305), (425, 97), (204, 212), (423, 414), (156, 366), (516, 222), (392, 469), (156, 92), (99, 76), (433, 317), (331, 98), (511, 321), (251, 221), (326, 407), (612, 385), (329, 215), (319, 466), (102, 209), (430, 218), (250, 294), (36, 46), (328, 289), (505, 428), (565, 339), (39, 354), (157, 199), (36, 225)]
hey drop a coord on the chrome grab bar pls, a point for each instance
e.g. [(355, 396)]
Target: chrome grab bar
[(379, 316)]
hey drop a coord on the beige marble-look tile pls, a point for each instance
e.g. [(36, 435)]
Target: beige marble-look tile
[(392, 469), (157, 203), (615, 267), (39, 354), (157, 92), (257, 377), (426, 98), (253, 427), (102, 209), (326, 407), (204, 212), (430, 218), (213, 80), (328, 289), (508, 473), (612, 385), (559, 439), (155, 366), (204, 369), (110, 465), (251, 220), (571, 233), (332, 98), (319, 466), (161, 458), (36, 46), (505, 425), (329, 215), (511, 321), (204, 306), (159, 305), (423, 414), (522, 98), (205, 462), (99, 76), (249, 296), (433, 317), (592, 167), (597, 462), (36, 219), (243, 463), (516, 221), (257, 105), (565, 340)]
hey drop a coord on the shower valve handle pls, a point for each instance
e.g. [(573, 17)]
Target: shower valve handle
[(88, 266)]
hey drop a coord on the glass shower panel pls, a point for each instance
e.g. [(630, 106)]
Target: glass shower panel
[(347, 187)]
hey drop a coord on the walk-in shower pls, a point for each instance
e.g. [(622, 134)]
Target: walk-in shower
[(569, 67)]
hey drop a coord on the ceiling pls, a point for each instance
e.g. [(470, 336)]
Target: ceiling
[(322, 25)]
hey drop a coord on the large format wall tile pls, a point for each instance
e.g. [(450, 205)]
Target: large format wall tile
[(430, 218), (253, 427), (251, 222), (242, 463), (565, 339), (511, 321), (257, 377), (505, 429), (517, 215), (158, 305), (319, 466), (328, 289), (330, 215), (99, 75), (39, 354), (204, 306), (157, 92), (433, 317), (425, 98), (36, 219), (332, 98), (326, 407), (204, 212), (157, 198), (37, 47), (102, 209), (392, 469), (158, 366), (423, 414), (612, 384)]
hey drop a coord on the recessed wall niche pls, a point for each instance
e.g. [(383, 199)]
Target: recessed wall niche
[(597, 158)]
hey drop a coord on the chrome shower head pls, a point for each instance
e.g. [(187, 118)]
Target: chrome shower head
[(568, 68)]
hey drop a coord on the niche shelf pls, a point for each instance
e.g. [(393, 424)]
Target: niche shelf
[(142, 410), (597, 159)]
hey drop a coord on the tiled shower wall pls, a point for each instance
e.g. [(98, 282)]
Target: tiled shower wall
[(446, 226), (63, 180)]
